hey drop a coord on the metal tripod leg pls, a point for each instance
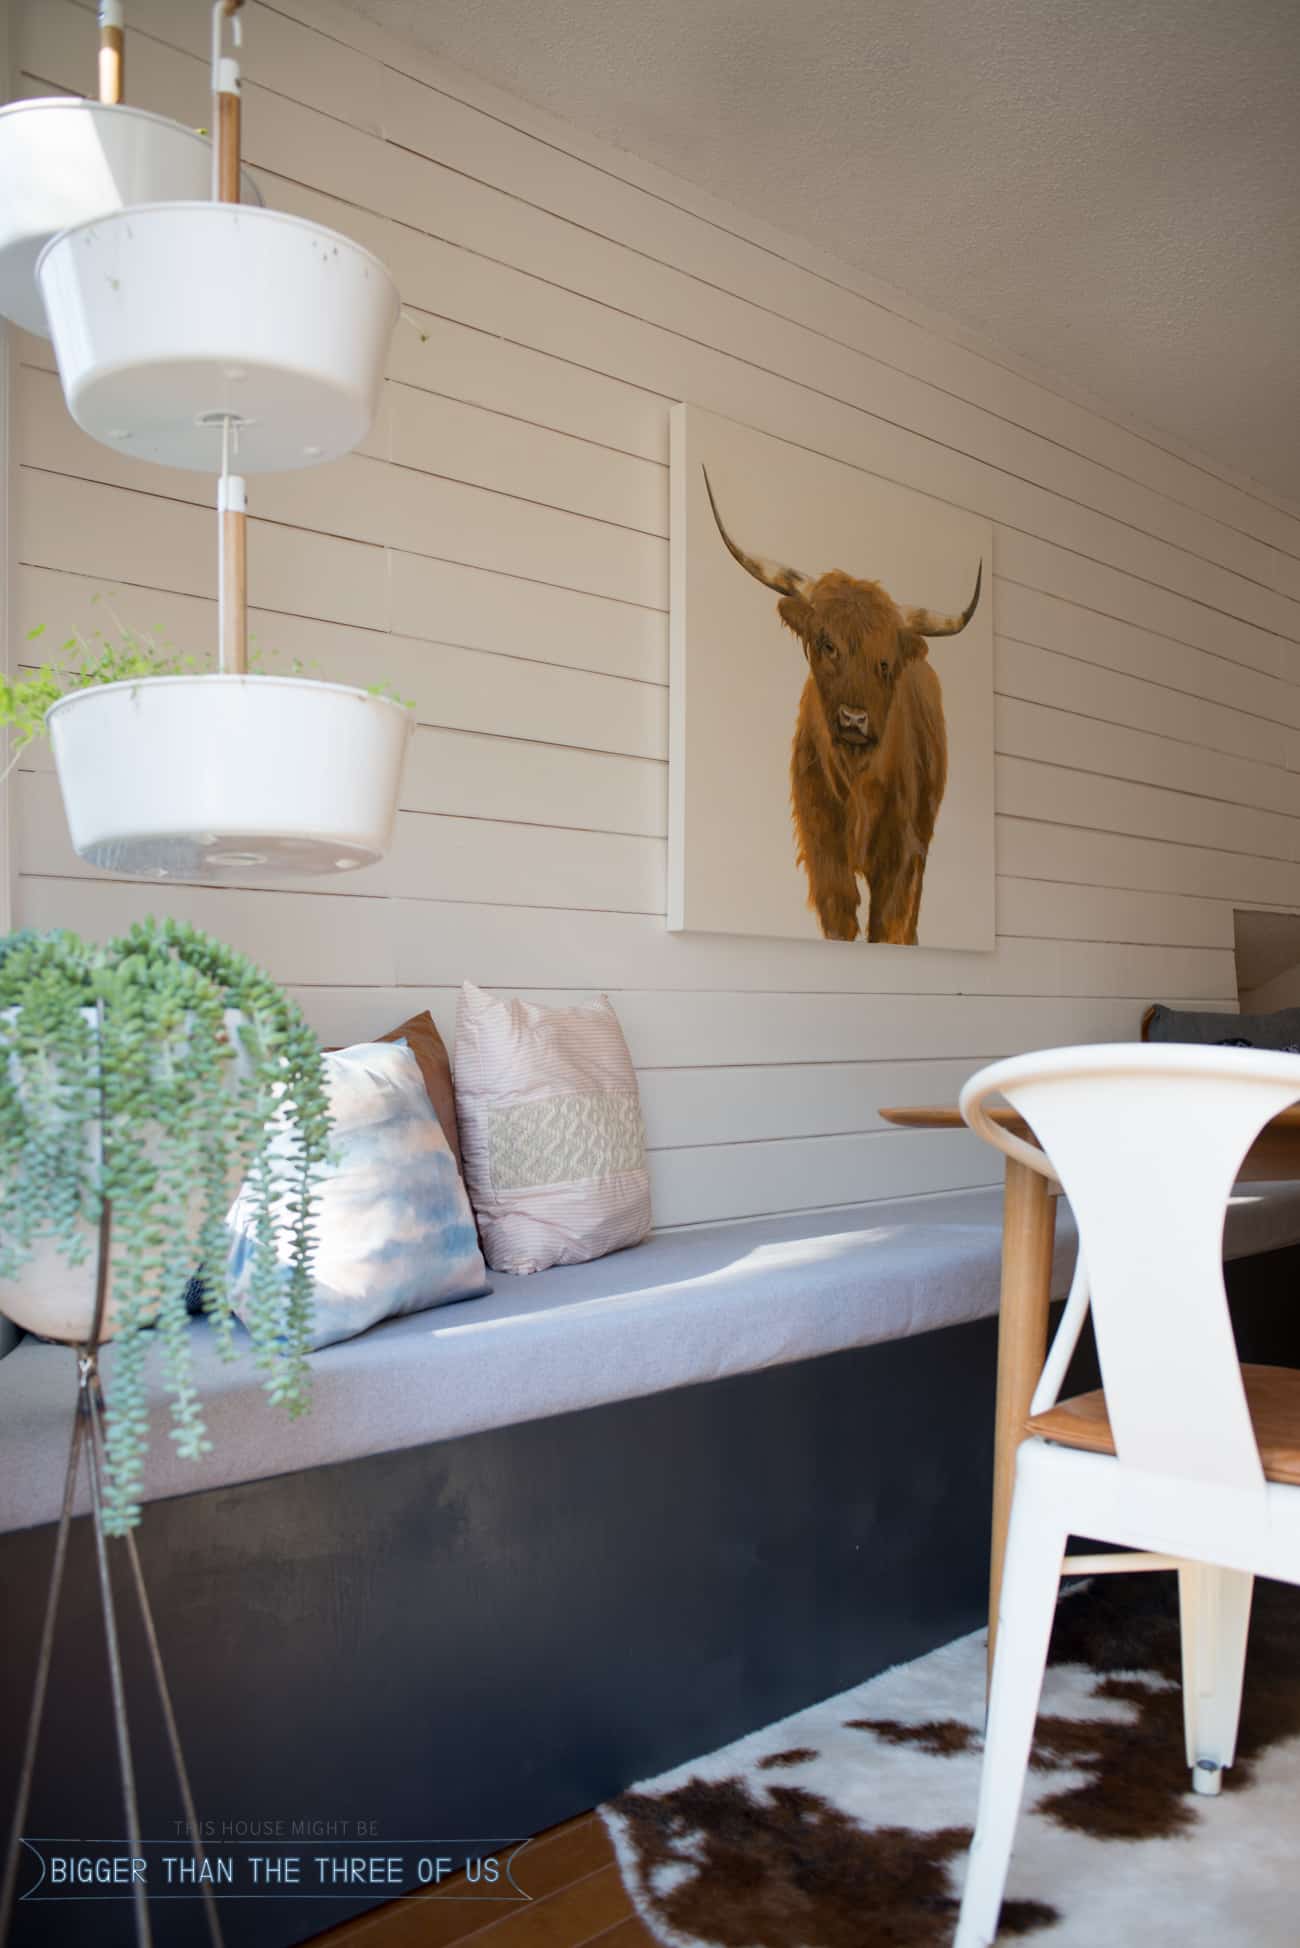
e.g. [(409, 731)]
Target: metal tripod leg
[(13, 1852), (160, 1679), (139, 1891)]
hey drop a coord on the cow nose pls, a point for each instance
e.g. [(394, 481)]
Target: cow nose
[(858, 720)]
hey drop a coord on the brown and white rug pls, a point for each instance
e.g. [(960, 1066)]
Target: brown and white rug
[(847, 1825)]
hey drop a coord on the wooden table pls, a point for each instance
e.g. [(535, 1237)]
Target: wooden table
[(1028, 1241)]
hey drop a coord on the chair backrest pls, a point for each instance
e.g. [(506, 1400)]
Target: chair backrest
[(1147, 1141)]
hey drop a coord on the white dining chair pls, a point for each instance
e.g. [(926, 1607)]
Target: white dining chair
[(1186, 1458)]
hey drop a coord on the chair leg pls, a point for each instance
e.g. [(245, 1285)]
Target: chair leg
[(1030, 1582), (1214, 1605)]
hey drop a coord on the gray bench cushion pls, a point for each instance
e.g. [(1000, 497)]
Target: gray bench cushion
[(684, 1307), (1280, 1030)]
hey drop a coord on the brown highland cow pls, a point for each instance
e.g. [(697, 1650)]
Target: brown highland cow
[(870, 756)]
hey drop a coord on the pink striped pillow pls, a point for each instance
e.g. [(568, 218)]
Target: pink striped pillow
[(550, 1131)]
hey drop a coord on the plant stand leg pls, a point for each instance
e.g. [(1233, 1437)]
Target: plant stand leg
[(37, 1712), (139, 1892), (88, 1433), (164, 1689)]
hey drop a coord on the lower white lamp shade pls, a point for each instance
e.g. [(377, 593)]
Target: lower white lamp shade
[(65, 161), (171, 320), (228, 778)]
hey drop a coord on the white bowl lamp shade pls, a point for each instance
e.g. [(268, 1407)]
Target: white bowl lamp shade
[(64, 161), (168, 320), (228, 778)]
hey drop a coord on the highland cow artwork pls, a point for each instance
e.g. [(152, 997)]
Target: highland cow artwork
[(831, 700)]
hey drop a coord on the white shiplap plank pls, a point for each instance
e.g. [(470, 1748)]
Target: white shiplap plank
[(1041, 909), (1065, 682), (480, 367), (1083, 743), (535, 784), (1035, 616), (1095, 584), (1047, 848), (744, 1180), (511, 616), (1032, 789), (691, 1108), (488, 448)]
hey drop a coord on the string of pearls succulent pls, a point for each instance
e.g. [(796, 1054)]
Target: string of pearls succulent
[(157, 1071)]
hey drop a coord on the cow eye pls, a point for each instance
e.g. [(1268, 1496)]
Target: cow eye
[(886, 669), (825, 647)]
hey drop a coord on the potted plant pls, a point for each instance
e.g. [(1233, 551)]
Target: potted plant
[(171, 770), (140, 1081)]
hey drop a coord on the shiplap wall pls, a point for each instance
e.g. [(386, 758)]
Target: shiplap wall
[(498, 551)]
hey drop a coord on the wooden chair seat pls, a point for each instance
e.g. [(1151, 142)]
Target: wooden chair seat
[(1272, 1394)]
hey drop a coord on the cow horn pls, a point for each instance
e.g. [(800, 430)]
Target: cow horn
[(924, 622), (786, 581)]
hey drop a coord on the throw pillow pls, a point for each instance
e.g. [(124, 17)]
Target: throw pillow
[(421, 1036), (395, 1232), (1279, 1030), (551, 1132)]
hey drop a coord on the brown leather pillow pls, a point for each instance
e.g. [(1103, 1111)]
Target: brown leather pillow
[(421, 1036)]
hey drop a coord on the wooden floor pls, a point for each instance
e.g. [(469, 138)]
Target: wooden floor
[(576, 1897)]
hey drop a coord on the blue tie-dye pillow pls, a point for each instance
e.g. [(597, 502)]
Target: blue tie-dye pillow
[(395, 1232)]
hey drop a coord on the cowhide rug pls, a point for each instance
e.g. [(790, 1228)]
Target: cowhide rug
[(847, 1825)]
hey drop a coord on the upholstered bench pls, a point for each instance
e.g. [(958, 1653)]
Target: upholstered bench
[(684, 1307), (528, 1547)]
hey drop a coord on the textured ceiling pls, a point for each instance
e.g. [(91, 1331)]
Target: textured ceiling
[(1109, 188)]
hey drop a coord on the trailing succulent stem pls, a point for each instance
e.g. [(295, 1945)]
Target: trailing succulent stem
[(156, 1072)]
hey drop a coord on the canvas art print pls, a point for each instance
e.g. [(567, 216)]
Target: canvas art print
[(831, 764)]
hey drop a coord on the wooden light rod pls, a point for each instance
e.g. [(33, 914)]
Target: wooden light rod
[(112, 52), (232, 603)]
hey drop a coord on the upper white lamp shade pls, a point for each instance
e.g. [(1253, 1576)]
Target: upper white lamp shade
[(65, 161)]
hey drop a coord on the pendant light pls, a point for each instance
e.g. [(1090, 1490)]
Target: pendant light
[(233, 340)]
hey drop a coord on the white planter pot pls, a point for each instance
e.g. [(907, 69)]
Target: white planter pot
[(228, 777), (57, 1300), (170, 319), (64, 161)]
